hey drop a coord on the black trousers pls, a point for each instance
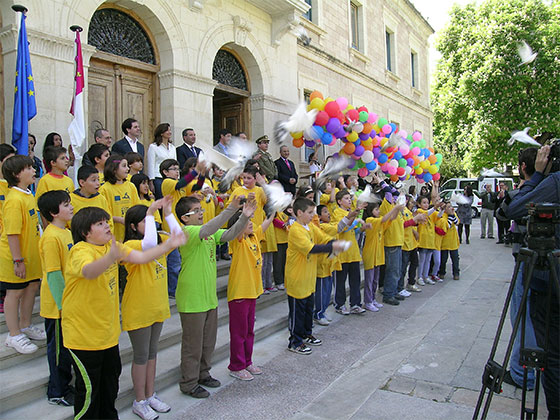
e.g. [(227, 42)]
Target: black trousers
[(97, 383), (279, 263), (352, 271), (60, 361), (551, 380), (300, 319)]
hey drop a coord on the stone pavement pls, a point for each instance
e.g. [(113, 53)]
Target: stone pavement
[(422, 358)]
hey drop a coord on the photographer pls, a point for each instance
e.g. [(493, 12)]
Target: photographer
[(543, 189)]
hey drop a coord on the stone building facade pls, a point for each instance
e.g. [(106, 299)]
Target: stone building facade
[(210, 64)]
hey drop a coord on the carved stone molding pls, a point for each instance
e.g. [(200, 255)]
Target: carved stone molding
[(282, 24), (196, 5), (270, 103), (186, 81), (241, 28)]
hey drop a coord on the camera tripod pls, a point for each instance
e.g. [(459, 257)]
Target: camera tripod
[(493, 374)]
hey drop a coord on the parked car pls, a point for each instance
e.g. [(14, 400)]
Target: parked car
[(476, 204)]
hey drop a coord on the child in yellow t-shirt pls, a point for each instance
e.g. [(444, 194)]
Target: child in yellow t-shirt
[(54, 246), (325, 268), (374, 251), (87, 195), (98, 154), (281, 227), (56, 163), (20, 266), (450, 243), (244, 287), (426, 241), (91, 326), (6, 151), (410, 247), (145, 304), (142, 184), (305, 241), (350, 259), (119, 193)]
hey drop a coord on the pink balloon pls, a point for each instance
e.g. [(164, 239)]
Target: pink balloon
[(342, 103), (415, 151), (416, 136), (386, 129), (392, 170), (333, 142), (403, 134), (372, 117), (404, 149), (436, 176), (384, 167), (363, 172)]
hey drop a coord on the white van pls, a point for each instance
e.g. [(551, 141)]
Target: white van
[(459, 184)]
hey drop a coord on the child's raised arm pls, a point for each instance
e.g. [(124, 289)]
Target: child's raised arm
[(267, 222), (136, 257), (393, 213), (248, 210), (213, 225)]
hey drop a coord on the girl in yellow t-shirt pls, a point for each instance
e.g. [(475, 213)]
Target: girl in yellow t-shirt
[(426, 241), (244, 287), (374, 251), (145, 304), (90, 308), (142, 184)]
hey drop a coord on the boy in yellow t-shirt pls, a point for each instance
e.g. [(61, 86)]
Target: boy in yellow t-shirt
[(87, 193), (409, 248), (91, 326), (244, 287), (6, 151), (56, 163), (98, 154), (20, 266), (305, 241), (54, 246)]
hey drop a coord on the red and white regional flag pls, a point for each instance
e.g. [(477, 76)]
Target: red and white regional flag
[(77, 128)]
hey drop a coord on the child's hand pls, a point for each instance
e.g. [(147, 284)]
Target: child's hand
[(19, 270), (250, 206), (200, 167), (236, 201), (340, 246), (177, 239), (400, 207), (420, 218), (167, 205), (367, 226), (260, 179), (154, 207), (116, 253)]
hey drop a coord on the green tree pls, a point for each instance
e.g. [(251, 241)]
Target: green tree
[(481, 94)]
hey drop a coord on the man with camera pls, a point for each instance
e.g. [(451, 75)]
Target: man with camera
[(543, 187)]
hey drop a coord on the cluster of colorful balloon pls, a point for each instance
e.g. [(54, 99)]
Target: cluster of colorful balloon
[(364, 138)]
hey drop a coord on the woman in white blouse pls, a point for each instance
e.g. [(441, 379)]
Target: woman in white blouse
[(161, 148)]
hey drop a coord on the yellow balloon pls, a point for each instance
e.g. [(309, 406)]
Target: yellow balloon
[(376, 128), (418, 171), (425, 164), (348, 108), (297, 135), (352, 137), (383, 141), (367, 142), (318, 104), (432, 169), (328, 99)]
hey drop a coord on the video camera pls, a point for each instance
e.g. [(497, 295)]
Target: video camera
[(541, 225)]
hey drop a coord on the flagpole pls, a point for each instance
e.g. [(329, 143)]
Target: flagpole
[(77, 128)]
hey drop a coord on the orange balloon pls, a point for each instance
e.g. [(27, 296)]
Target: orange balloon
[(431, 150), (394, 178), (432, 159), (367, 146), (367, 128), (298, 142), (315, 94), (349, 148)]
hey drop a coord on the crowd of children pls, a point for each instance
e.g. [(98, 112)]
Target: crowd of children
[(125, 245)]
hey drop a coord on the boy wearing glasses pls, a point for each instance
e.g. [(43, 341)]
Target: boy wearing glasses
[(197, 302)]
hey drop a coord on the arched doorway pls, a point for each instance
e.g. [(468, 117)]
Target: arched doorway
[(122, 80), (231, 95)]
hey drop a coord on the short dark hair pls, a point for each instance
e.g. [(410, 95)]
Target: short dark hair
[(96, 150), (13, 166), (421, 197), (98, 133), (320, 208), (341, 194), (85, 172), (160, 129), (251, 170), (51, 154), (111, 166), (223, 132), (302, 204), (528, 156), (184, 133), (84, 219), (166, 164), (127, 125), (49, 203), (132, 157), (368, 211), (6, 150), (184, 205), (137, 179)]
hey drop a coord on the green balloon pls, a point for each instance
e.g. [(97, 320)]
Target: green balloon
[(402, 163), (382, 121), (360, 164)]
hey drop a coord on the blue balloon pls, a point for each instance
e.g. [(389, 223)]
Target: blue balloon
[(397, 155), (326, 138), (382, 158), (427, 153), (427, 177), (357, 142), (371, 165), (393, 127)]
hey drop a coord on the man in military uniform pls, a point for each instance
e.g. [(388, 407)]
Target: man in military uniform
[(265, 159)]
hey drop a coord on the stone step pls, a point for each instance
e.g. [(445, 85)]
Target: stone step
[(26, 381), (10, 357)]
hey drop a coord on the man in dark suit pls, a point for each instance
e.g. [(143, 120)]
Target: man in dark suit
[(287, 174), (188, 149), (130, 142)]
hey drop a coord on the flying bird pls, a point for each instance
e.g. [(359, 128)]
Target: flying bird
[(368, 196), (488, 173), (300, 120), (458, 199), (523, 137), (277, 199), (333, 166), (394, 140), (302, 35), (525, 53)]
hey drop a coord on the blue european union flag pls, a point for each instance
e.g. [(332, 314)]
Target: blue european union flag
[(25, 107)]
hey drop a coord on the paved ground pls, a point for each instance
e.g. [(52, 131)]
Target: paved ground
[(422, 358)]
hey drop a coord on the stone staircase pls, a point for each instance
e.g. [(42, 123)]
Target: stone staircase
[(24, 378)]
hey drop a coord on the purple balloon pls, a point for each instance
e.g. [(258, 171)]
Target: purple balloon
[(351, 164), (333, 125), (410, 162), (309, 143), (376, 152), (363, 136), (359, 150), (341, 133)]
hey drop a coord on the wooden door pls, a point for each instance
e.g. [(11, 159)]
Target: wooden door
[(117, 91)]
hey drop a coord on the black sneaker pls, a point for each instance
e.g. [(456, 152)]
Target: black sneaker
[(302, 349), (60, 401), (391, 301), (198, 392), (210, 382), (399, 297), (312, 341)]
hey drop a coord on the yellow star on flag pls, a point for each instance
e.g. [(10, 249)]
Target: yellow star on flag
[(78, 74), (17, 74), (16, 89), (31, 93), (30, 78)]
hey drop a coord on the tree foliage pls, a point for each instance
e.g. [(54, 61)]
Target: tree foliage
[(481, 94)]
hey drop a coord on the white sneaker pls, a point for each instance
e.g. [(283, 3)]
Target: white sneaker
[(21, 344), (404, 293), (421, 281), (371, 307), (34, 333), (376, 303), (342, 310), (143, 410), (413, 288), (158, 404), (429, 281), (356, 309), (322, 321)]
